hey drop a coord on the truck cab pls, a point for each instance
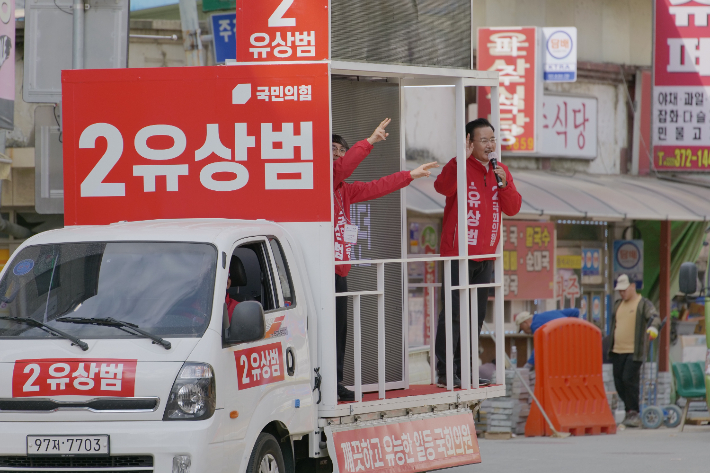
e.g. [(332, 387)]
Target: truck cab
[(131, 353)]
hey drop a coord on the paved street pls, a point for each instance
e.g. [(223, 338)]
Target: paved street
[(631, 450)]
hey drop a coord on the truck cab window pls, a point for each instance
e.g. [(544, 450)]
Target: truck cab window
[(252, 277), (284, 276)]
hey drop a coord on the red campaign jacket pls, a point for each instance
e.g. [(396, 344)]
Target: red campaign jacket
[(345, 194), (485, 202)]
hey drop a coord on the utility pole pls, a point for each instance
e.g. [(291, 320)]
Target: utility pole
[(77, 53), (194, 53)]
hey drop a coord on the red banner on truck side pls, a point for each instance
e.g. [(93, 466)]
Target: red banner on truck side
[(422, 444), (260, 365), (74, 377), (282, 30), (216, 142), (681, 89), (512, 52)]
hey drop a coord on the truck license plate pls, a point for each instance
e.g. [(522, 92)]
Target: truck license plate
[(68, 445)]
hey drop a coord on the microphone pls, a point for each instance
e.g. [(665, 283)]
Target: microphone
[(493, 159)]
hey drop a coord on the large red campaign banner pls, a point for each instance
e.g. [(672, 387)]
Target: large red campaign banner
[(282, 30), (681, 93), (216, 142), (423, 444), (512, 52), (74, 377)]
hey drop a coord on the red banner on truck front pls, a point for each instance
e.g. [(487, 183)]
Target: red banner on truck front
[(422, 444), (512, 52), (242, 142), (74, 377), (282, 30)]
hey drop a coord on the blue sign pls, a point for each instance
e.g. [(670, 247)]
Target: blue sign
[(591, 262), (596, 308), (584, 308), (23, 267), (224, 32), (628, 259)]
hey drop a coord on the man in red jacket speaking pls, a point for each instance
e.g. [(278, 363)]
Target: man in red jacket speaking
[(344, 194), (485, 200)]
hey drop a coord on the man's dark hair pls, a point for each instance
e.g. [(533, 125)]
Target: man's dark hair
[(477, 123), (341, 141)]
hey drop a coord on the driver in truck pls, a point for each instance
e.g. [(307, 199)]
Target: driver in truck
[(346, 160)]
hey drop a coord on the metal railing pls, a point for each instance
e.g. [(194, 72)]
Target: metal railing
[(468, 331)]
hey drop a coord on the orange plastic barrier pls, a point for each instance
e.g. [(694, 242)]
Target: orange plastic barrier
[(569, 384)]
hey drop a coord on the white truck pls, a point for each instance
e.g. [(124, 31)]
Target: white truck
[(117, 351)]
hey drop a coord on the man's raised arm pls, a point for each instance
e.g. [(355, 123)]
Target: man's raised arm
[(345, 166)]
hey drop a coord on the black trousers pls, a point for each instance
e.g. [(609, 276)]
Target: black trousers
[(341, 322), (626, 379), (479, 272)]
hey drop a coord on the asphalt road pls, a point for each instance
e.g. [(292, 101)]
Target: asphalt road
[(631, 450)]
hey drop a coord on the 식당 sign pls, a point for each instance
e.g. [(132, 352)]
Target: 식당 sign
[(512, 52), (569, 126), (681, 93), (282, 30), (142, 144), (560, 59), (528, 259)]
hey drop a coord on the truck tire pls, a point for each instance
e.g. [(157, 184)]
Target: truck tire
[(266, 456)]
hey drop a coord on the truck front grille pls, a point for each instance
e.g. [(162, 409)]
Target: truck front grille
[(80, 463), (147, 404)]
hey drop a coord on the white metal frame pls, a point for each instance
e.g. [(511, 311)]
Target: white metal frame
[(414, 76)]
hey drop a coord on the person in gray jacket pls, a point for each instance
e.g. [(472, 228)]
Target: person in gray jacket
[(633, 318)]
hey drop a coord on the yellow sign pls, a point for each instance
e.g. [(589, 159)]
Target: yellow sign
[(569, 261)]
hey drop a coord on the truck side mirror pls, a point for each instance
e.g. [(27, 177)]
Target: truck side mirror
[(688, 278), (248, 323)]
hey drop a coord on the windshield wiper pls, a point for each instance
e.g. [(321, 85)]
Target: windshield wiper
[(43, 326), (128, 327)]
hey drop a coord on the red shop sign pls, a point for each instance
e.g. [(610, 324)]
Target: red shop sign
[(74, 377), (681, 93), (282, 30), (512, 52), (528, 259), (215, 142), (418, 445)]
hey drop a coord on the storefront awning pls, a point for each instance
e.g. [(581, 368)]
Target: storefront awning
[(581, 195)]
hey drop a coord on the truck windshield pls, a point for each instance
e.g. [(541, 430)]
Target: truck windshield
[(166, 289)]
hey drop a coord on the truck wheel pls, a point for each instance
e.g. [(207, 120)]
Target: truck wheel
[(266, 456)]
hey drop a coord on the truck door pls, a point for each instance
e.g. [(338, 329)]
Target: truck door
[(269, 379)]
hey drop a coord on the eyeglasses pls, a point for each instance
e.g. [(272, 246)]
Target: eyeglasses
[(339, 149), (485, 141)]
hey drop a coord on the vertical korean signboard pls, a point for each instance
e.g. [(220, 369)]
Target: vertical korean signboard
[(513, 53), (236, 154), (282, 30), (7, 63), (681, 104), (528, 260)]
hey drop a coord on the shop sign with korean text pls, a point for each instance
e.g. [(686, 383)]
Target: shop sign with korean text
[(568, 280), (560, 54), (528, 259), (7, 63), (513, 53), (143, 144), (282, 30), (224, 30), (681, 92), (421, 443), (628, 259), (569, 126)]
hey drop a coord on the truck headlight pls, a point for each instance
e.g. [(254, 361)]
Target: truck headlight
[(193, 396)]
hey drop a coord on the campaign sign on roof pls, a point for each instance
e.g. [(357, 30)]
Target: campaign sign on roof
[(681, 92), (282, 30), (512, 52), (223, 142)]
